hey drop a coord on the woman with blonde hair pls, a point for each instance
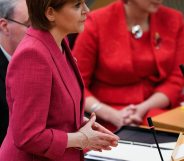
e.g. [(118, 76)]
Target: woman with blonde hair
[(128, 57)]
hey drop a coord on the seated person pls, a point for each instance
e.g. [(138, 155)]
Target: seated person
[(128, 56)]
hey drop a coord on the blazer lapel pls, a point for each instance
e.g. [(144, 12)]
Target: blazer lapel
[(46, 38), (73, 62)]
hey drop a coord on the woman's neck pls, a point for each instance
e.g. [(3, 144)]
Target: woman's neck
[(136, 16), (58, 36)]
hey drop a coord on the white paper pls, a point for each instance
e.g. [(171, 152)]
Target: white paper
[(169, 145), (97, 158), (133, 153), (179, 152)]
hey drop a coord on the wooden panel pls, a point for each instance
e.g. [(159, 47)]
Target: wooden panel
[(100, 3), (172, 120), (177, 4)]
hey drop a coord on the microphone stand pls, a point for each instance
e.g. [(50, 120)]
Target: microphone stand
[(152, 128)]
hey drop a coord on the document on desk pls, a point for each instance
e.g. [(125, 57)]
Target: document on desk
[(129, 152), (169, 145), (180, 152)]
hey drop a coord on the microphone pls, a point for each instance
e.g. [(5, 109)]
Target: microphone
[(182, 68), (152, 128)]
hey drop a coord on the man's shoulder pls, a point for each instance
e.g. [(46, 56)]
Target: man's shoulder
[(30, 45)]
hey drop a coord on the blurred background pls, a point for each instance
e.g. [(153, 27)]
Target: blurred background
[(177, 4), (95, 4)]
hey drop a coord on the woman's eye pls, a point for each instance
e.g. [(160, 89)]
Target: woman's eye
[(78, 5)]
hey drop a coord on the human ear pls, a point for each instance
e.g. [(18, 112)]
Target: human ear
[(50, 14), (4, 26)]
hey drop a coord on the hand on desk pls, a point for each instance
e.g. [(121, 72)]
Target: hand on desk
[(136, 117), (96, 137), (115, 117)]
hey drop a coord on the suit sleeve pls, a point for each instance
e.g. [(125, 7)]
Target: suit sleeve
[(86, 50), (29, 83), (173, 85)]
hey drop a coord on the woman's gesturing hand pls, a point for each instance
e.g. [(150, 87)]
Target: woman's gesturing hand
[(96, 137)]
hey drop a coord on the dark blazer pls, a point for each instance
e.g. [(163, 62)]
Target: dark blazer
[(3, 103), (45, 97)]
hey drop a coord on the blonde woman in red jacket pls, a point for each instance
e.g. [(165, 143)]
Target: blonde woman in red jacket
[(129, 56)]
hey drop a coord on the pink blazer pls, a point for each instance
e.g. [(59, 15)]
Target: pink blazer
[(42, 102)]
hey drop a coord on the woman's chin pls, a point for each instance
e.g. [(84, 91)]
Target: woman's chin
[(80, 29)]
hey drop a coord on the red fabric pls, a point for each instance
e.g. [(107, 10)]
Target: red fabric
[(44, 102), (106, 62), (142, 56)]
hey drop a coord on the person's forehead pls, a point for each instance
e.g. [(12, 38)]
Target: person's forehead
[(20, 9)]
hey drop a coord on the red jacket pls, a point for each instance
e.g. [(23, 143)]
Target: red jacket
[(105, 60), (45, 101)]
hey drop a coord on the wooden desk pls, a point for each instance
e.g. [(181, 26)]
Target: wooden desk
[(143, 135), (171, 120), (100, 3)]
